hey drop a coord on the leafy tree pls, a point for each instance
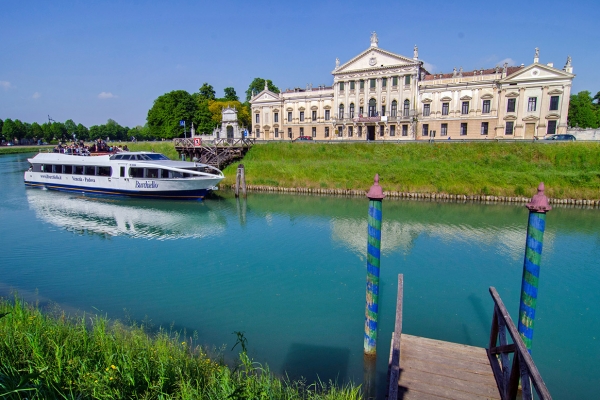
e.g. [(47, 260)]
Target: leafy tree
[(168, 109), (59, 131), (258, 85), (48, 134), (20, 129), (1, 123), (82, 132), (581, 111), (206, 92), (36, 131), (71, 128), (9, 129), (203, 117), (230, 94)]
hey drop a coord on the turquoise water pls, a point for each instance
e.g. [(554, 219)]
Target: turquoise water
[(290, 272)]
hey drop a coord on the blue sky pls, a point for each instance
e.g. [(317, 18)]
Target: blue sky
[(94, 60)]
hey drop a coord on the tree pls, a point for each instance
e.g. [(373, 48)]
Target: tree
[(230, 94), (168, 109), (258, 85), (581, 111), (206, 92), (71, 128), (216, 107), (203, 117), (8, 129), (19, 130), (1, 123), (37, 131), (82, 132), (59, 131)]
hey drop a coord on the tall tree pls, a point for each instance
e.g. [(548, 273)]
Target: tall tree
[(581, 111), (9, 129), (83, 133), (206, 92), (71, 128), (230, 94), (1, 124), (203, 117), (258, 85), (37, 131), (168, 109)]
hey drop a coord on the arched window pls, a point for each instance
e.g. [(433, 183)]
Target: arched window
[(406, 107), (372, 107), (351, 110), (341, 112), (394, 108)]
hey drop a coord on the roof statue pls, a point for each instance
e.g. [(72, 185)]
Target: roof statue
[(266, 85), (374, 40), (568, 61), (337, 63), (454, 72), (416, 52), (460, 72), (537, 52)]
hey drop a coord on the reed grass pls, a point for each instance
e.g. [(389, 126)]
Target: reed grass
[(54, 356)]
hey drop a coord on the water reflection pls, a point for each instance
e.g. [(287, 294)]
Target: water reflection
[(105, 217)]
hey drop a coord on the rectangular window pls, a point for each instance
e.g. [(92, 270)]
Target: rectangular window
[(383, 82), (373, 83), (425, 130), (289, 116), (426, 110), (122, 172), (152, 173), (395, 81), (350, 131), (486, 106), (361, 110), (463, 128), (392, 130), (407, 79), (362, 84), (257, 118), (404, 130), (314, 132), (301, 116), (290, 133), (341, 86), (314, 115), (382, 110), (275, 117), (554, 103), (444, 130), (510, 127), (381, 130), (531, 104), (89, 170), (104, 171), (340, 131), (327, 115), (465, 107), (511, 105), (326, 131), (445, 108), (351, 85), (301, 131), (258, 133), (360, 131), (276, 132), (484, 128), (551, 126)]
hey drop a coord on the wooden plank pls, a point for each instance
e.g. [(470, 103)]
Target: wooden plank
[(446, 345), (440, 391), (451, 372), (485, 387), (477, 355), (437, 361)]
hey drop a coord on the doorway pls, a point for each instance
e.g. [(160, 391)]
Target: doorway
[(229, 132), (529, 131), (371, 132)]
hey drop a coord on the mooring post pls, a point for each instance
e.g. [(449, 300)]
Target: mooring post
[(531, 266), (375, 197), (240, 181)]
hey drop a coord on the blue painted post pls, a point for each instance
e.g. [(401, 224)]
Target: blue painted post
[(531, 266), (375, 196)]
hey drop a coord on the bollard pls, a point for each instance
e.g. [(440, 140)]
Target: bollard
[(375, 196), (531, 265), (240, 180)]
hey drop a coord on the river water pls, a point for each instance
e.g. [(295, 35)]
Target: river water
[(289, 271)]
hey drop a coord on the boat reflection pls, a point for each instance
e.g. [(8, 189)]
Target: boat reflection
[(107, 217)]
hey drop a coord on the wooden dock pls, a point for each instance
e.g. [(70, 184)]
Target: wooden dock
[(218, 152), (429, 369)]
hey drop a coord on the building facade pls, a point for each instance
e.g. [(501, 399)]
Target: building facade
[(379, 95)]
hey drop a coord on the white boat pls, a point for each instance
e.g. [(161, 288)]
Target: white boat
[(136, 174)]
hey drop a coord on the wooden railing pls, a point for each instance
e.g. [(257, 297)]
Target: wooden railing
[(394, 365), (507, 373), (223, 142)]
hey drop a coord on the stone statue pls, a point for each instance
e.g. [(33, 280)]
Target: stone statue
[(374, 40), (568, 61), (337, 63), (537, 52), (454, 72), (460, 72), (505, 67), (416, 52)]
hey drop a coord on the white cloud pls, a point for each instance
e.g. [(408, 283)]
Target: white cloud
[(509, 61), (5, 84), (428, 67), (107, 95), (37, 95)]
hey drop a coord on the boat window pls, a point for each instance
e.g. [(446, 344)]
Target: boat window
[(68, 169), (152, 173), (136, 172), (104, 171), (174, 174), (117, 157), (163, 173), (47, 168), (89, 170), (187, 175), (78, 169), (37, 167), (155, 156)]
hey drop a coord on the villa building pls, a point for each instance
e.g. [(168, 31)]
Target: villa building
[(379, 95)]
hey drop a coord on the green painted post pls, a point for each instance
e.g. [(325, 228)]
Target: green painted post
[(531, 266), (375, 196)]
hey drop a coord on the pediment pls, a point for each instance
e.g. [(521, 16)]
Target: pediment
[(466, 98), (553, 116), (487, 96), (374, 58), (300, 108), (289, 109), (446, 98), (512, 94), (276, 110), (536, 72), (555, 92), (265, 95), (426, 101), (327, 107), (314, 108), (530, 118), (510, 118)]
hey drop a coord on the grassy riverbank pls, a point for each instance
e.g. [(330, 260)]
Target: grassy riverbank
[(45, 356), (569, 170), (22, 149)]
